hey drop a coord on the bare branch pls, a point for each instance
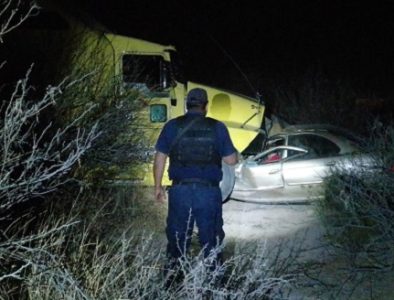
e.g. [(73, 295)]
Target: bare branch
[(16, 273), (12, 16), (34, 161)]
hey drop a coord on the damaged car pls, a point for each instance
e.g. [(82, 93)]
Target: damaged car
[(293, 164)]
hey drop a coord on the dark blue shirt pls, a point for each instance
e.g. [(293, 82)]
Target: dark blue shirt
[(212, 173)]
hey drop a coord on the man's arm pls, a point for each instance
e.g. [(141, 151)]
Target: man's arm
[(231, 159), (158, 171), (226, 146)]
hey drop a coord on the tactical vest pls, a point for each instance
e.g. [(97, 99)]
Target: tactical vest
[(197, 145)]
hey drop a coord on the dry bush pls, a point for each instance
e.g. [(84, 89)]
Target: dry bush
[(97, 249), (36, 152), (37, 158), (358, 208), (121, 146), (66, 263), (12, 15), (36, 155), (358, 214)]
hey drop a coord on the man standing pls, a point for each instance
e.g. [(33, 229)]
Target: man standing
[(196, 146)]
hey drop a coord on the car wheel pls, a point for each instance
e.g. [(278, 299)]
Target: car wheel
[(228, 181)]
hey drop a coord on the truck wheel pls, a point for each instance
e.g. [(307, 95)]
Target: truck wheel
[(228, 181)]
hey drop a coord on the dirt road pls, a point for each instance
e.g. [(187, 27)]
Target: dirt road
[(251, 221)]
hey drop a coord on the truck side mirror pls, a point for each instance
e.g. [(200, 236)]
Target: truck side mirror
[(165, 80)]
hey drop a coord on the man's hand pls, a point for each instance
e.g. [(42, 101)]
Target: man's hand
[(231, 159), (160, 194)]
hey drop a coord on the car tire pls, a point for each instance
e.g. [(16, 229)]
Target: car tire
[(228, 181)]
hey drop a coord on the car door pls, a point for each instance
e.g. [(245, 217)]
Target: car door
[(263, 171), (304, 174)]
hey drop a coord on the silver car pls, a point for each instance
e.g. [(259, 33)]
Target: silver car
[(293, 164)]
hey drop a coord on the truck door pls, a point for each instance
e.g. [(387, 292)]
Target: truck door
[(147, 78), (147, 74)]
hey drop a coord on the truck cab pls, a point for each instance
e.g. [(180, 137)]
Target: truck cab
[(153, 69)]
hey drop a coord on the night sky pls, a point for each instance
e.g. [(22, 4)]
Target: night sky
[(345, 39)]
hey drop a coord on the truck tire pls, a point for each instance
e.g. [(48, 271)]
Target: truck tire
[(228, 181)]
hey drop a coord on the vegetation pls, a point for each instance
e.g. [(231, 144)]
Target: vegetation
[(357, 216), (65, 258), (358, 208)]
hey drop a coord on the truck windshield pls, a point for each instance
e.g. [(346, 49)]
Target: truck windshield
[(142, 71)]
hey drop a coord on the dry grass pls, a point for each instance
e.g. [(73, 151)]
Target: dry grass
[(77, 261)]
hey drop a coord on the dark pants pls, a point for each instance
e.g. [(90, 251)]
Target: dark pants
[(194, 203)]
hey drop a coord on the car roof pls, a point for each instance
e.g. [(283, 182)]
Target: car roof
[(320, 128), (312, 127)]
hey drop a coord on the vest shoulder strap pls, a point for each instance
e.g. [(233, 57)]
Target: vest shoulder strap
[(188, 126)]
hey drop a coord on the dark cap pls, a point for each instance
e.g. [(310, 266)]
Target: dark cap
[(197, 96)]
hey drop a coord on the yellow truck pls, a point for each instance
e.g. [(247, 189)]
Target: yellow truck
[(154, 69), (242, 115)]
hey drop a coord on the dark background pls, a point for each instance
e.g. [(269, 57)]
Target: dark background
[(268, 40), (313, 61)]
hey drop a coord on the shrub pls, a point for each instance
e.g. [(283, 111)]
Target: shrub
[(120, 146), (358, 208), (36, 156), (66, 261)]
